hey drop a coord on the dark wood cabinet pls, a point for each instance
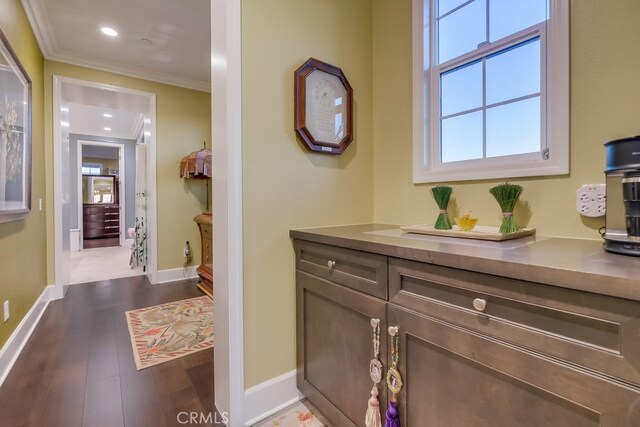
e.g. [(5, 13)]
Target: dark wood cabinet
[(456, 377), (334, 347), (476, 349), (101, 225), (205, 269)]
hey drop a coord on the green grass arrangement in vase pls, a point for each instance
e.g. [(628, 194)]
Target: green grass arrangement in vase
[(442, 194), (507, 196)]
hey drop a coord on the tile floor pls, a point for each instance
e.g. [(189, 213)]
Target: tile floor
[(300, 414), (90, 265)]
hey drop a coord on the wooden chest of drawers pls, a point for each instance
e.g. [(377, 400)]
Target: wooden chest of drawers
[(101, 222)]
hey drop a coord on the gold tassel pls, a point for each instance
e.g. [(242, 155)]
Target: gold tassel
[(372, 418)]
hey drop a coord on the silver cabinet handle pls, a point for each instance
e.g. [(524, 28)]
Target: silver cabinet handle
[(331, 264), (479, 304)]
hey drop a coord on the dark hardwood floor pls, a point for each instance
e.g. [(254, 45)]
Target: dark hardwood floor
[(78, 369)]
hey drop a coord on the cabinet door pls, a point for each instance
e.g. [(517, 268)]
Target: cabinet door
[(455, 377), (334, 348)]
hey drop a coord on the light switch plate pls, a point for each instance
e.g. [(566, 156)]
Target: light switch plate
[(6, 311), (591, 200)]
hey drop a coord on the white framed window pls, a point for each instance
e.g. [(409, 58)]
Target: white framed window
[(490, 88), (91, 169)]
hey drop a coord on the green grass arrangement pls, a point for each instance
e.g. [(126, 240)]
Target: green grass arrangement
[(507, 196), (442, 194)]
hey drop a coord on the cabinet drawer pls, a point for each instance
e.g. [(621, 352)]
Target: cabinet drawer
[(455, 377), (101, 210), (580, 327), (362, 271)]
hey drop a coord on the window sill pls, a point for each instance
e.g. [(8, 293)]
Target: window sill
[(451, 175)]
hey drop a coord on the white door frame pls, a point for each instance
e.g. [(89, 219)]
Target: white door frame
[(122, 184), (226, 124), (61, 282)]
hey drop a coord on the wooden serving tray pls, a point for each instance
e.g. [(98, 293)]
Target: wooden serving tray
[(480, 232)]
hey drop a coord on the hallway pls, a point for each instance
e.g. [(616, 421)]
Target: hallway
[(77, 369), (89, 265)]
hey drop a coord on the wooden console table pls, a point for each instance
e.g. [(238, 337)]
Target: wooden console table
[(205, 270)]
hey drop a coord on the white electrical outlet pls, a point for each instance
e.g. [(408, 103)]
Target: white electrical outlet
[(591, 200), (6, 311)]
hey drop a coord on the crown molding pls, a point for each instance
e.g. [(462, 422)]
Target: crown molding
[(50, 51), (40, 25), (130, 71), (100, 134)]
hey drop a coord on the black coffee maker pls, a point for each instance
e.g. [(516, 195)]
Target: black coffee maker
[(622, 234)]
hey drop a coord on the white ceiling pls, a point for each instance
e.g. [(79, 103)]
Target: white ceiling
[(177, 32), (88, 104), (90, 120)]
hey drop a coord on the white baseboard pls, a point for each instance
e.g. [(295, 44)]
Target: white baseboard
[(14, 345), (265, 399), (175, 274)]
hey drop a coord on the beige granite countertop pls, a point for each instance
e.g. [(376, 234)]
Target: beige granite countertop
[(571, 263)]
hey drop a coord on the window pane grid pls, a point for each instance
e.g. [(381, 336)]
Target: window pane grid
[(531, 13), (492, 140), (484, 102), (488, 106), (449, 155), (455, 9)]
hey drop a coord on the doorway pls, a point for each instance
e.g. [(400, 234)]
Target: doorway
[(99, 130), (103, 214)]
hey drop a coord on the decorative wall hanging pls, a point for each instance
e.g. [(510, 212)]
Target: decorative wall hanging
[(372, 418), (394, 380), (15, 136), (197, 164), (323, 107)]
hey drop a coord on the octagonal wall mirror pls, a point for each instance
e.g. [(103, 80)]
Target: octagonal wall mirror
[(323, 107)]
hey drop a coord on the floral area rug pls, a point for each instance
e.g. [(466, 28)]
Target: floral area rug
[(302, 414), (168, 331)]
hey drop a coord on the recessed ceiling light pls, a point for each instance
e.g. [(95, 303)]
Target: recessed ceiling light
[(147, 133), (107, 115), (64, 109), (107, 129), (64, 124), (109, 31)]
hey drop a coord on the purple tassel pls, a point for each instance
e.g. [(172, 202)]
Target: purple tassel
[(393, 417)]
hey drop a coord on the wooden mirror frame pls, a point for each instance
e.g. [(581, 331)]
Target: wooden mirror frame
[(301, 128)]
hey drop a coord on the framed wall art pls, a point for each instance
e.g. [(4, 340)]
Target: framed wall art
[(15, 136), (323, 107)]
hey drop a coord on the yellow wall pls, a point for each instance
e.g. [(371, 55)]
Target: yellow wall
[(286, 186), (22, 243), (183, 123), (605, 94)]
